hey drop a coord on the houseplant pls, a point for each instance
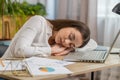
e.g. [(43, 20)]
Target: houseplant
[(15, 14), (12, 17)]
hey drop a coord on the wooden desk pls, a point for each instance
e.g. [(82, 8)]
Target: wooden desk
[(77, 68)]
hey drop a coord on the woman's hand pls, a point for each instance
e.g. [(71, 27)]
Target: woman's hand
[(65, 52), (58, 50)]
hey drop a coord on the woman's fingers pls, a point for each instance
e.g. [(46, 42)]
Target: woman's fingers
[(65, 52), (57, 48), (62, 53)]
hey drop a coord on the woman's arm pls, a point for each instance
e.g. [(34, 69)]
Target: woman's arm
[(34, 26)]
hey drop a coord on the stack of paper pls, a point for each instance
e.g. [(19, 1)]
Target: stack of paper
[(36, 70), (43, 66), (46, 61)]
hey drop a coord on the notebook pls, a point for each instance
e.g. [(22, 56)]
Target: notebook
[(99, 55)]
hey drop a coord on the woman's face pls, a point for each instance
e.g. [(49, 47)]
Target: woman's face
[(69, 37)]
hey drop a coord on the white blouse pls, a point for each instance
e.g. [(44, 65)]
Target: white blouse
[(31, 39)]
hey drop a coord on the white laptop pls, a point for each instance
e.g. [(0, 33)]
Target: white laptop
[(99, 55)]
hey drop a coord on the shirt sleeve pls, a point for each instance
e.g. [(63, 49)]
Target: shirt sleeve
[(23, 46)]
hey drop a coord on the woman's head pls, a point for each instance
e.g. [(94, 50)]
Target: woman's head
[(70, 33)]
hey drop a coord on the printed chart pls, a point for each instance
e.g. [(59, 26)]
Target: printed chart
[(46, 69)]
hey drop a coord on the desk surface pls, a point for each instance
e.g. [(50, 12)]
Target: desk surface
[(77, 68)]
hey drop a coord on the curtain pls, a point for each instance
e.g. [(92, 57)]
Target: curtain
[(108, 22), (79, 10)]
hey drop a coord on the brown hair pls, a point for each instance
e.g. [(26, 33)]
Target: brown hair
[(81, 27)]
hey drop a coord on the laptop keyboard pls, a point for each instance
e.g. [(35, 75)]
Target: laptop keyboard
[(94, 55), (90, 55)]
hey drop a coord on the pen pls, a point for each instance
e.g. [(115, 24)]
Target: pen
[(1, 62)]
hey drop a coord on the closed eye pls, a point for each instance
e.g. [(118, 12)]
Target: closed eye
[(72, 37)]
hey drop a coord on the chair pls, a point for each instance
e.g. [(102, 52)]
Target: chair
[(3, 48)]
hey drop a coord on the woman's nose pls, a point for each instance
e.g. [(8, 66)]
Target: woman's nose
[(67, 43)]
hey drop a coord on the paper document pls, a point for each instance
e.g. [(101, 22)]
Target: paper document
[(36, 70), (44, 66), (115, 50), (48, 62)]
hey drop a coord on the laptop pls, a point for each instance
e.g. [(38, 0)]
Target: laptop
[(99, 55)]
